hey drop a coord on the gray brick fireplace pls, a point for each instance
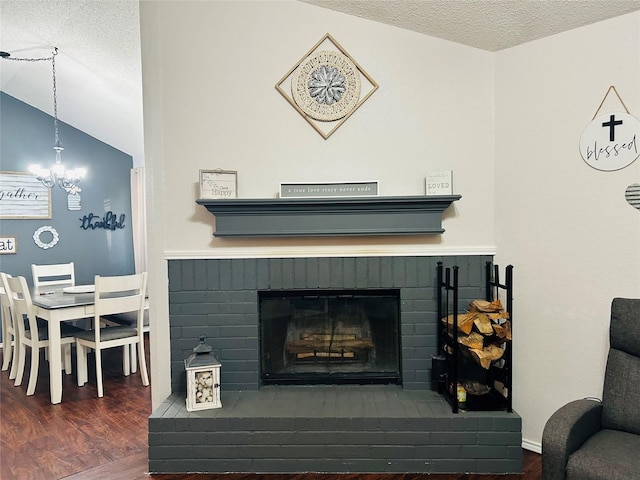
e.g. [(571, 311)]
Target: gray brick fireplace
[(401, 427)]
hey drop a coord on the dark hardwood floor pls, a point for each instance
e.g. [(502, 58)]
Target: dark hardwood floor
[(86, 437)]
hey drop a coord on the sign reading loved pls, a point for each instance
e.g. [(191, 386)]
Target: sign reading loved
[(610, 142)]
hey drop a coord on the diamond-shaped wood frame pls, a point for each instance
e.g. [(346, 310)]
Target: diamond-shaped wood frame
[(316, 124)]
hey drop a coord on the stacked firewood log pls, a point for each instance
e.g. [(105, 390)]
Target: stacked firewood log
[(482, 331)]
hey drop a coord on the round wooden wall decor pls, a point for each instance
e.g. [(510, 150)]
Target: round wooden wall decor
[(610, 141), (326, 86)]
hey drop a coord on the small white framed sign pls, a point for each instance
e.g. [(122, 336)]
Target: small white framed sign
[(8, 245), (439, 183), (215, 184)]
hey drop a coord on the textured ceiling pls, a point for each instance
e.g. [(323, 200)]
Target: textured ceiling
[(486, 24), (99, 68)]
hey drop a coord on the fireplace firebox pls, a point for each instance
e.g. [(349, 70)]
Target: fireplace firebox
[(330, 336)]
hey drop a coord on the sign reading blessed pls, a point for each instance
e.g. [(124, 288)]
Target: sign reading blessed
[(23, 196), (610, 142)]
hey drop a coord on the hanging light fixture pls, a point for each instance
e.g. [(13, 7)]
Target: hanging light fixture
[(66, 179)]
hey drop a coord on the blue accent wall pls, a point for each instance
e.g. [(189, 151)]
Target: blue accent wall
[(27, 137)]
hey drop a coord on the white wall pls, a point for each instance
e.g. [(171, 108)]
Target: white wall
[(573, 239), (209, 75), (209, 71), (219, 65)]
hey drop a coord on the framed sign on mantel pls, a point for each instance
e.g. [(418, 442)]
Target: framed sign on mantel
[(328, 189), (218, 184)]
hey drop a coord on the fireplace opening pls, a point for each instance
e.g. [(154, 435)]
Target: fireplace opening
[(330, 336)]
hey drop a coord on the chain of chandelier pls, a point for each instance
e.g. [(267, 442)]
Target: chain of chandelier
[(57, 174)]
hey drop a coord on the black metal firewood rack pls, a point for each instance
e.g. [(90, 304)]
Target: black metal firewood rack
[(455, 366)]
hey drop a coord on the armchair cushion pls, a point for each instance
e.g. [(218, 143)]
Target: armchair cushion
[(624, 333), (621, 395), (607, 455)]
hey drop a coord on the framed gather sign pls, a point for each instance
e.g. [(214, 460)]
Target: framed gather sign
[(23, 196)]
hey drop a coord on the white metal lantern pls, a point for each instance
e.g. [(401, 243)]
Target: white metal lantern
[(203, 378)]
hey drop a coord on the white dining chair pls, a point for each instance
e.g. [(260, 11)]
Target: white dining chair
[(129, 320), (59, 274), (115, 295), (31, 335), (9, 334)]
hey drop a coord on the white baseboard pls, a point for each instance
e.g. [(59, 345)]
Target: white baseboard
[(532, 446)]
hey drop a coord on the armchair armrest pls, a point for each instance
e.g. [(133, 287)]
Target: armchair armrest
[(567, 429)]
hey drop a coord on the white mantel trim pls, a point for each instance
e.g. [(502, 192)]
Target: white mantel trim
[(329, 251)]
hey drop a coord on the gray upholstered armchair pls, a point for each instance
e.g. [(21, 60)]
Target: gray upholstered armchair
[(587, 439)]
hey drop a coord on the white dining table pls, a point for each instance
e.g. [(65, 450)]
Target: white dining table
[(56, 306)]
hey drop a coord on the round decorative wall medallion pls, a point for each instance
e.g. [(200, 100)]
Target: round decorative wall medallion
[(326, 86), (51, 243)]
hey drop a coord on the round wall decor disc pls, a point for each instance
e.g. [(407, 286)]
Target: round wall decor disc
[(610, 141), (326, 86)]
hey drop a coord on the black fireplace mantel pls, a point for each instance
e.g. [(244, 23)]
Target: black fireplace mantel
[(293, 217)]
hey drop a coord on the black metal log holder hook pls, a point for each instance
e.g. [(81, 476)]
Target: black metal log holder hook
[(493, 284), (448, 283), (493, 287)]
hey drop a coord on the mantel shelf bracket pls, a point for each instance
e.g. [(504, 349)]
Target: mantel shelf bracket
[(335, 216)]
